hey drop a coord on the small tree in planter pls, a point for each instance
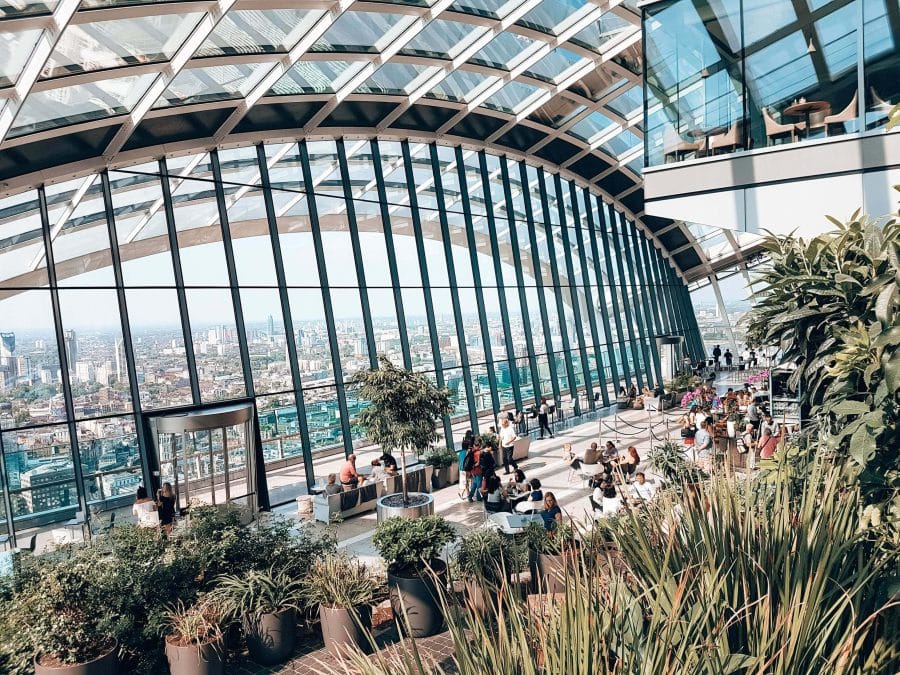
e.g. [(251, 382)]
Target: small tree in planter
[(402, 412), (266, 605), (412, 547), (344, 590)]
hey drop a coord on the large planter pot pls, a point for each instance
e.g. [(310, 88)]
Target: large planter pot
[(454, 473), (415, 599), (346, 628), (105, 664), (207, 659), (441, 478), (271, 639), (549, 571), (390, 506)]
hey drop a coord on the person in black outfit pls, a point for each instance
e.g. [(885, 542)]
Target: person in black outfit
[(387, 460), (544, 417), (729, 358), (717, 354), (487, 462), (165, 505)]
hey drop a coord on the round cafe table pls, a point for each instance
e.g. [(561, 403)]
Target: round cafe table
[(806, 109)]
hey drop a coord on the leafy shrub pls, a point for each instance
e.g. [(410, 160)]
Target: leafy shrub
[(410, 543), (484, 554)]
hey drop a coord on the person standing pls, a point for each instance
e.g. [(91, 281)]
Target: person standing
[(544, 417), (461, 455), (717, 354), (473, 469), (508, 440), (165, 504), (729, 357)]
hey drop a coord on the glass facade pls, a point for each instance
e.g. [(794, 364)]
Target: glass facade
[(733, 75), (275, 272)]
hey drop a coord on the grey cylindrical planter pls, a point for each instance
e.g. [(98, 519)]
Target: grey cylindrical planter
[(424, 508), (454, 473), (416, 600), (207, 659), (105, 664), (441, 478), (345, 628), (549, 571), (271, 639)]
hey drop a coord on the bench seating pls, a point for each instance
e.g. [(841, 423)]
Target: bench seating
[(363, 499)]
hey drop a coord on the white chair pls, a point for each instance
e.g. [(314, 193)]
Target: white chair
[(588, 471), (611, 506), (529, 506), (77, 521), (837, 122)]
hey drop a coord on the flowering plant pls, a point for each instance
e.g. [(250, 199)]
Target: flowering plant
[(762, 376), (690, 396)]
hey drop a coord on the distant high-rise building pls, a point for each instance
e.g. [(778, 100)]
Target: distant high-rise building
[(271, 325), (121, 364), (8, 366), (71, 342), (7, 345), (49, 486)]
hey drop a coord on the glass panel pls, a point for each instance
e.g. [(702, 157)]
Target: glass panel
[(554, 65), (266, 340), (141, 230), (592, 126), (512, 97), (420, 350), (442, 39), (30, 387), (216, 348), (15, 48), (313, 350), (323, 418), (504, 51), (361, 32), (119, 42), (460, 85), (162, 373), (212, 83), (251, 31), (384, 323), (393, 78), (199, 234), (882, 61), (316, 77), (40, 471), (608, 26), (110, 459), (22, 260), (494, 9), (98, 370), (19, 8), (79, 103)]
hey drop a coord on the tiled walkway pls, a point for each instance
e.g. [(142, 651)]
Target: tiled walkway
[(545, 462)]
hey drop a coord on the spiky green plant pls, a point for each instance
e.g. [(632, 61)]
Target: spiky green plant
[(340, 581), (721, 579), (257, 592)]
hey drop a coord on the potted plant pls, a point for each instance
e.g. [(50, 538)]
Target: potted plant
[(412, 547), (345, 590), (551, 553), (194, 641), (486, 561), (265, 603), (402, 413), (446, 467), (62, 614)]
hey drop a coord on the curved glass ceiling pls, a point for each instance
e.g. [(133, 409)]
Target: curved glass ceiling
[(553, 79)]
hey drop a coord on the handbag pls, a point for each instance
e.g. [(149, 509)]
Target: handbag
[(688, 432)]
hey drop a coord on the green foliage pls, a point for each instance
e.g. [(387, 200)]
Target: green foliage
[(486, 555), (669, 460), (441, 458), (411, 543), (132, 575), (60, 613), (554, 542), (403, 406), (833, 306), (197, 624), (724, 579), (340, 581), (257, 592)]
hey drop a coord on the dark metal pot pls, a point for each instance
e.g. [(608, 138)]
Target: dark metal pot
[(207, 659), (271, 639), (415, 599), (344, 628), (105, 664)]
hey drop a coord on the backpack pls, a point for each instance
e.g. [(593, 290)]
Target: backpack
[(468, 461)]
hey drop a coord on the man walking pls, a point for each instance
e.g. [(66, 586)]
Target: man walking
[(717, 354), (544, 417), (508, 440)]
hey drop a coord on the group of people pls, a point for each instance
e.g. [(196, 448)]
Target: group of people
[(749, 357), (163, 506), (481, 482), (349, 478)]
